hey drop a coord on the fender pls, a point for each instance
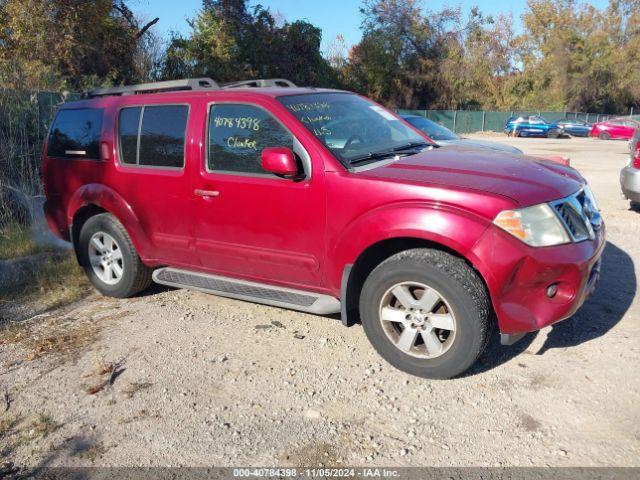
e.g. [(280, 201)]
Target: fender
[(108, 199), (454, 228)]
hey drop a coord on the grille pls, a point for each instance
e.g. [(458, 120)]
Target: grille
[(219, 285), (578, 215)]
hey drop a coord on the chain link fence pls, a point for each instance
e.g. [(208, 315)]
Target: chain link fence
[(470, 121), (24, 120)]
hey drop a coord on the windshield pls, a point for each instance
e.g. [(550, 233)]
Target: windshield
[(432, 129), (351, 126)]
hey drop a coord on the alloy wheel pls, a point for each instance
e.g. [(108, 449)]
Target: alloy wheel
[(105, 257), (417, 320)]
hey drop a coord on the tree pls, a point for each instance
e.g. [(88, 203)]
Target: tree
[(400, 52), (68, 43), (229, 41)]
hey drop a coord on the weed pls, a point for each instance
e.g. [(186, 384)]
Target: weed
[(41, 426), (90, 451)]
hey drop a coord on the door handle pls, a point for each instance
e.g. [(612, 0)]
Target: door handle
[(206, 193)]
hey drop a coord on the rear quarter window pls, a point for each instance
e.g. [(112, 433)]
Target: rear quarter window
[(75, 133), (153, 135)]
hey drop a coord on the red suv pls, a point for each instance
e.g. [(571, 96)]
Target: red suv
[(321, 201)]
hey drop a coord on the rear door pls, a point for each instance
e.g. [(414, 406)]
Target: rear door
[(152, 176), (251, 223)]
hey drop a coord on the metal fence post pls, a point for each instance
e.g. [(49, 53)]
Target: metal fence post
[(631, 113), (455, 114), (483, 115)]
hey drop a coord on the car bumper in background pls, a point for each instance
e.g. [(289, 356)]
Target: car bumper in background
[(518, 278), (630, 183)]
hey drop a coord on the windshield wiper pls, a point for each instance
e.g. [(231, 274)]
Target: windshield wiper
[(408, 147), (411, 146)]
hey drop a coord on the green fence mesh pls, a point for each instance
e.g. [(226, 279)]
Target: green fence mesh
[(470, 121)]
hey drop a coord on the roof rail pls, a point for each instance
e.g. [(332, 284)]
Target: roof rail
[(261, 82), (203, 83)]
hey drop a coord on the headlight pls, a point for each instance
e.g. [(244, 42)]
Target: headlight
[(537, 226), (589, 194)]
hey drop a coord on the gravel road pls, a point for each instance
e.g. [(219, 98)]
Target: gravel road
[(177, 378)]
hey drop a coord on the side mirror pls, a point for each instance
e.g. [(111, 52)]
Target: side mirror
[(279, 160)]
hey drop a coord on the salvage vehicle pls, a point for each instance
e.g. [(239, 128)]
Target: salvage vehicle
[(322, 201), (532, 126), (575, 128), (630, 174), (615, 129), (443, 136)]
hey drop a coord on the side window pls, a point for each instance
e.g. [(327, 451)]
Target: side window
[(238, 134), (153, 135), (76, 134)]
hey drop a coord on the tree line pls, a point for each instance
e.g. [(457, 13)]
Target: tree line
[(568, 55)]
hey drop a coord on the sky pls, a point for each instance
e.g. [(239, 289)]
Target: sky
[(334, 17)]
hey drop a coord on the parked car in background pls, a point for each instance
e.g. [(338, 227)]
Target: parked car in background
[(243, 190), (615, 129), (575, 128), (630, 174), (532, 126), (443, 136)]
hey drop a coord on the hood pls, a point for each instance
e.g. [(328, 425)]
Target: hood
[(468, 142), (526, 180)]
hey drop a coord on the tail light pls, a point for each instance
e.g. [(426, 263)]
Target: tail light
[(635, 159)]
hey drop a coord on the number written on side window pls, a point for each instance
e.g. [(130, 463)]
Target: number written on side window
[(237, 136), (76, 134), (153, 135)]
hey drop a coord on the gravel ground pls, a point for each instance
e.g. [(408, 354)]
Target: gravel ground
[(177, 378)]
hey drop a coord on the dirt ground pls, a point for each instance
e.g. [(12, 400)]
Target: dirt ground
[(179, 378)]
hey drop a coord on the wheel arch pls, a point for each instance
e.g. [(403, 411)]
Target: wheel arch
[(94, 199), (355, 274)]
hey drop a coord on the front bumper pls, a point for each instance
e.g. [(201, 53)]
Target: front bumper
[(518, 277), (630, 183)]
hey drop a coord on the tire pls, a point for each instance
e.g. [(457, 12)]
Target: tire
[(551, 134), (604, 136), (634, 206), (462, 294), (134, 276)]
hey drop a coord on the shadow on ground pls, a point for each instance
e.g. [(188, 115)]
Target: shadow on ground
[(600, 313)]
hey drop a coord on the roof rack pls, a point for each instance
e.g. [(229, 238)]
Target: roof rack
[(168, 86), (193, 84), (261, 82)]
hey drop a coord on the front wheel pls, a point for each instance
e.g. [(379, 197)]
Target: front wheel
[(604, 136), (426, 312), (110, 260)]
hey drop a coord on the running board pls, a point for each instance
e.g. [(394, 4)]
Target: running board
[(250, 291)]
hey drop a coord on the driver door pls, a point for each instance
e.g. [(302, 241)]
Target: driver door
[(251, 223)]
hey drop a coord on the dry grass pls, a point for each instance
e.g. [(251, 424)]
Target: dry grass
[(53, 282), (41, 426), (56, 336), (16, 241), (91, 451)]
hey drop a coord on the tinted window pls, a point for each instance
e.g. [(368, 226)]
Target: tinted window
[(156, 141), (128, 125), (162, 136), (238, 134), (76, 134)]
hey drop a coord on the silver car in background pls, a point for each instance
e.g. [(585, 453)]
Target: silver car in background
[(630, 174)]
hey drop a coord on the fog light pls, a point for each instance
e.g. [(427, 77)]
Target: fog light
[(552, 290)]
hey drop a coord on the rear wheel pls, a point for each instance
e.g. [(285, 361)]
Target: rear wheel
[(110, 260), (426, 312), (604, 136)]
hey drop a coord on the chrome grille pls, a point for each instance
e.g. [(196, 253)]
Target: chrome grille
[(578, 215)]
